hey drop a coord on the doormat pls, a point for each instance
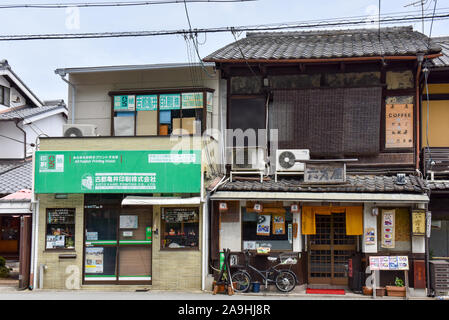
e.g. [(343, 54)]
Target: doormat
[(325, 291)]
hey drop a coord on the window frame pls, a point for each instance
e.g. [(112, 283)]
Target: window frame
[(5, 91), (162, 232), (46, 229), (160, 92)]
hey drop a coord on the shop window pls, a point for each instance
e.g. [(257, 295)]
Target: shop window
[(180, 228), (267, 229), (60, 232), (160, 114)]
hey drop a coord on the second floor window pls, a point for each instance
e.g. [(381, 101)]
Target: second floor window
[(160, 114), (4, 96)]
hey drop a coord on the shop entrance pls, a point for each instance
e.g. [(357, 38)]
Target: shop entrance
[(329, 250), (118, 242)]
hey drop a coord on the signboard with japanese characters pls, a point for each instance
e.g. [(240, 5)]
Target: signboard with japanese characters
[(399, 126), (124, 103), (118, 171), (323, 173), (146, 102), (419, 222)]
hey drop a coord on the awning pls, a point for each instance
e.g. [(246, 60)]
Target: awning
[(322, 196), (147, 201)]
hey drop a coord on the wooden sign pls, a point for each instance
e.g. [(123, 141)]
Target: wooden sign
[(399, 126), (324, 173), (419, 222)]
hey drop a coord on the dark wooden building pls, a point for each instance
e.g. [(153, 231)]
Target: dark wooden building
[(336, 115)]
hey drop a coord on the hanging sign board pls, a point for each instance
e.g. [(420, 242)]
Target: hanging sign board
[(370, 236), (278, 223), (388, 229), (418, 222), (118, 171)]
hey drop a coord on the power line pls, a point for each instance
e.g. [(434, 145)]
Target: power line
[(108, 4), (267, 27)]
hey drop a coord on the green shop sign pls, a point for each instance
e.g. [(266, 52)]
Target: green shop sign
[(118, 171)]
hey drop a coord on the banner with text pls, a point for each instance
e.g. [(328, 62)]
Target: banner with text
[(118, 172)]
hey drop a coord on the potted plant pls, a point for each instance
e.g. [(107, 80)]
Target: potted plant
[(398, 290)]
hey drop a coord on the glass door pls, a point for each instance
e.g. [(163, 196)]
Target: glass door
[(118, 244)]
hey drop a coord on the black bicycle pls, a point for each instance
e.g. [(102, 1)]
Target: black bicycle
[(284, 279)]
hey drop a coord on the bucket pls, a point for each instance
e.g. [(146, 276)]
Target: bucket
[(256, 286)]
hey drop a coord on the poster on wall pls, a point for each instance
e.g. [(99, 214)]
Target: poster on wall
[(263, 224), (279, 223), (94, 260), (370, 236), (128, 222), (388, 229), (55, 241)]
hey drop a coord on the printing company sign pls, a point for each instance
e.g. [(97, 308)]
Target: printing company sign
[(118, 172)]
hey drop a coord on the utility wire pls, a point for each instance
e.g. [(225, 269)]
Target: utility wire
[(268, 27), (108, 4)]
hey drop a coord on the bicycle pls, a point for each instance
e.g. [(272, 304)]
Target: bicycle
[(284, 279)]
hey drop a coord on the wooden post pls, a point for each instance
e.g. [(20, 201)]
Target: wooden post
[(406, 283), (374, 284)]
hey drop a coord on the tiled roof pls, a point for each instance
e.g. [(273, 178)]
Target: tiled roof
[(394, 41), (354, 184), (19, 196), (28, 111), (442, 61), (436, 185), (17, 178)]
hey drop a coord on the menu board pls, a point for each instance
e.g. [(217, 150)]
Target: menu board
[(388, 263), (179, 214), (61, 216), (399, 126)]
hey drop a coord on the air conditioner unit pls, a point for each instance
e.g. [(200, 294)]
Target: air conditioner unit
[(248, 159), (285, 160), (79, 130)]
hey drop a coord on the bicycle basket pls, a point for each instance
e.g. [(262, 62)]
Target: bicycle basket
[(288, 260)]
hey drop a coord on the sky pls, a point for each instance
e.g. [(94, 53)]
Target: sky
[(35, 61)]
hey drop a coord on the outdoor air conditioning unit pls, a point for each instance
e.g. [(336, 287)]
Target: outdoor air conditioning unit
[(79, 130), (248, 159), (285, 160)]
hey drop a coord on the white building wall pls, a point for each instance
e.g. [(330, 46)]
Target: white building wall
[(93, 104), (9, 148)]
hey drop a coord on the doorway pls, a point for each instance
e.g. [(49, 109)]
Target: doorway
[(329, 251)]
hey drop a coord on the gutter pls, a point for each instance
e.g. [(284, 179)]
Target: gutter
[(24, 139)]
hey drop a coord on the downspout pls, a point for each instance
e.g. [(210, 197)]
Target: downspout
[(24, 139), (62, 74), (419, 58)]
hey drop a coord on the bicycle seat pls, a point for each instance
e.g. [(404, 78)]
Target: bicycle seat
[(272, 258)]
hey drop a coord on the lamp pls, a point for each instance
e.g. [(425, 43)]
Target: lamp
[(223, 206), (294, 208), (375, 211), (258, 207)]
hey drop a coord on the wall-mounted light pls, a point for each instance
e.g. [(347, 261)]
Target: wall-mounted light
[(294, 208), (258, 207), (266, 82), (375, 212), (223, 206), (61, 196)]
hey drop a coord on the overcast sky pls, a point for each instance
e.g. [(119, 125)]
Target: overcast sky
[(35, 61)]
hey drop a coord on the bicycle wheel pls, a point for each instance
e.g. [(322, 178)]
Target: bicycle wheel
[(242, 280), (285, 280)]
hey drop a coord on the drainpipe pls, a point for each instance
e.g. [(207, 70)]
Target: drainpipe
[(24, 139), (62, 74), (419, 58)]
